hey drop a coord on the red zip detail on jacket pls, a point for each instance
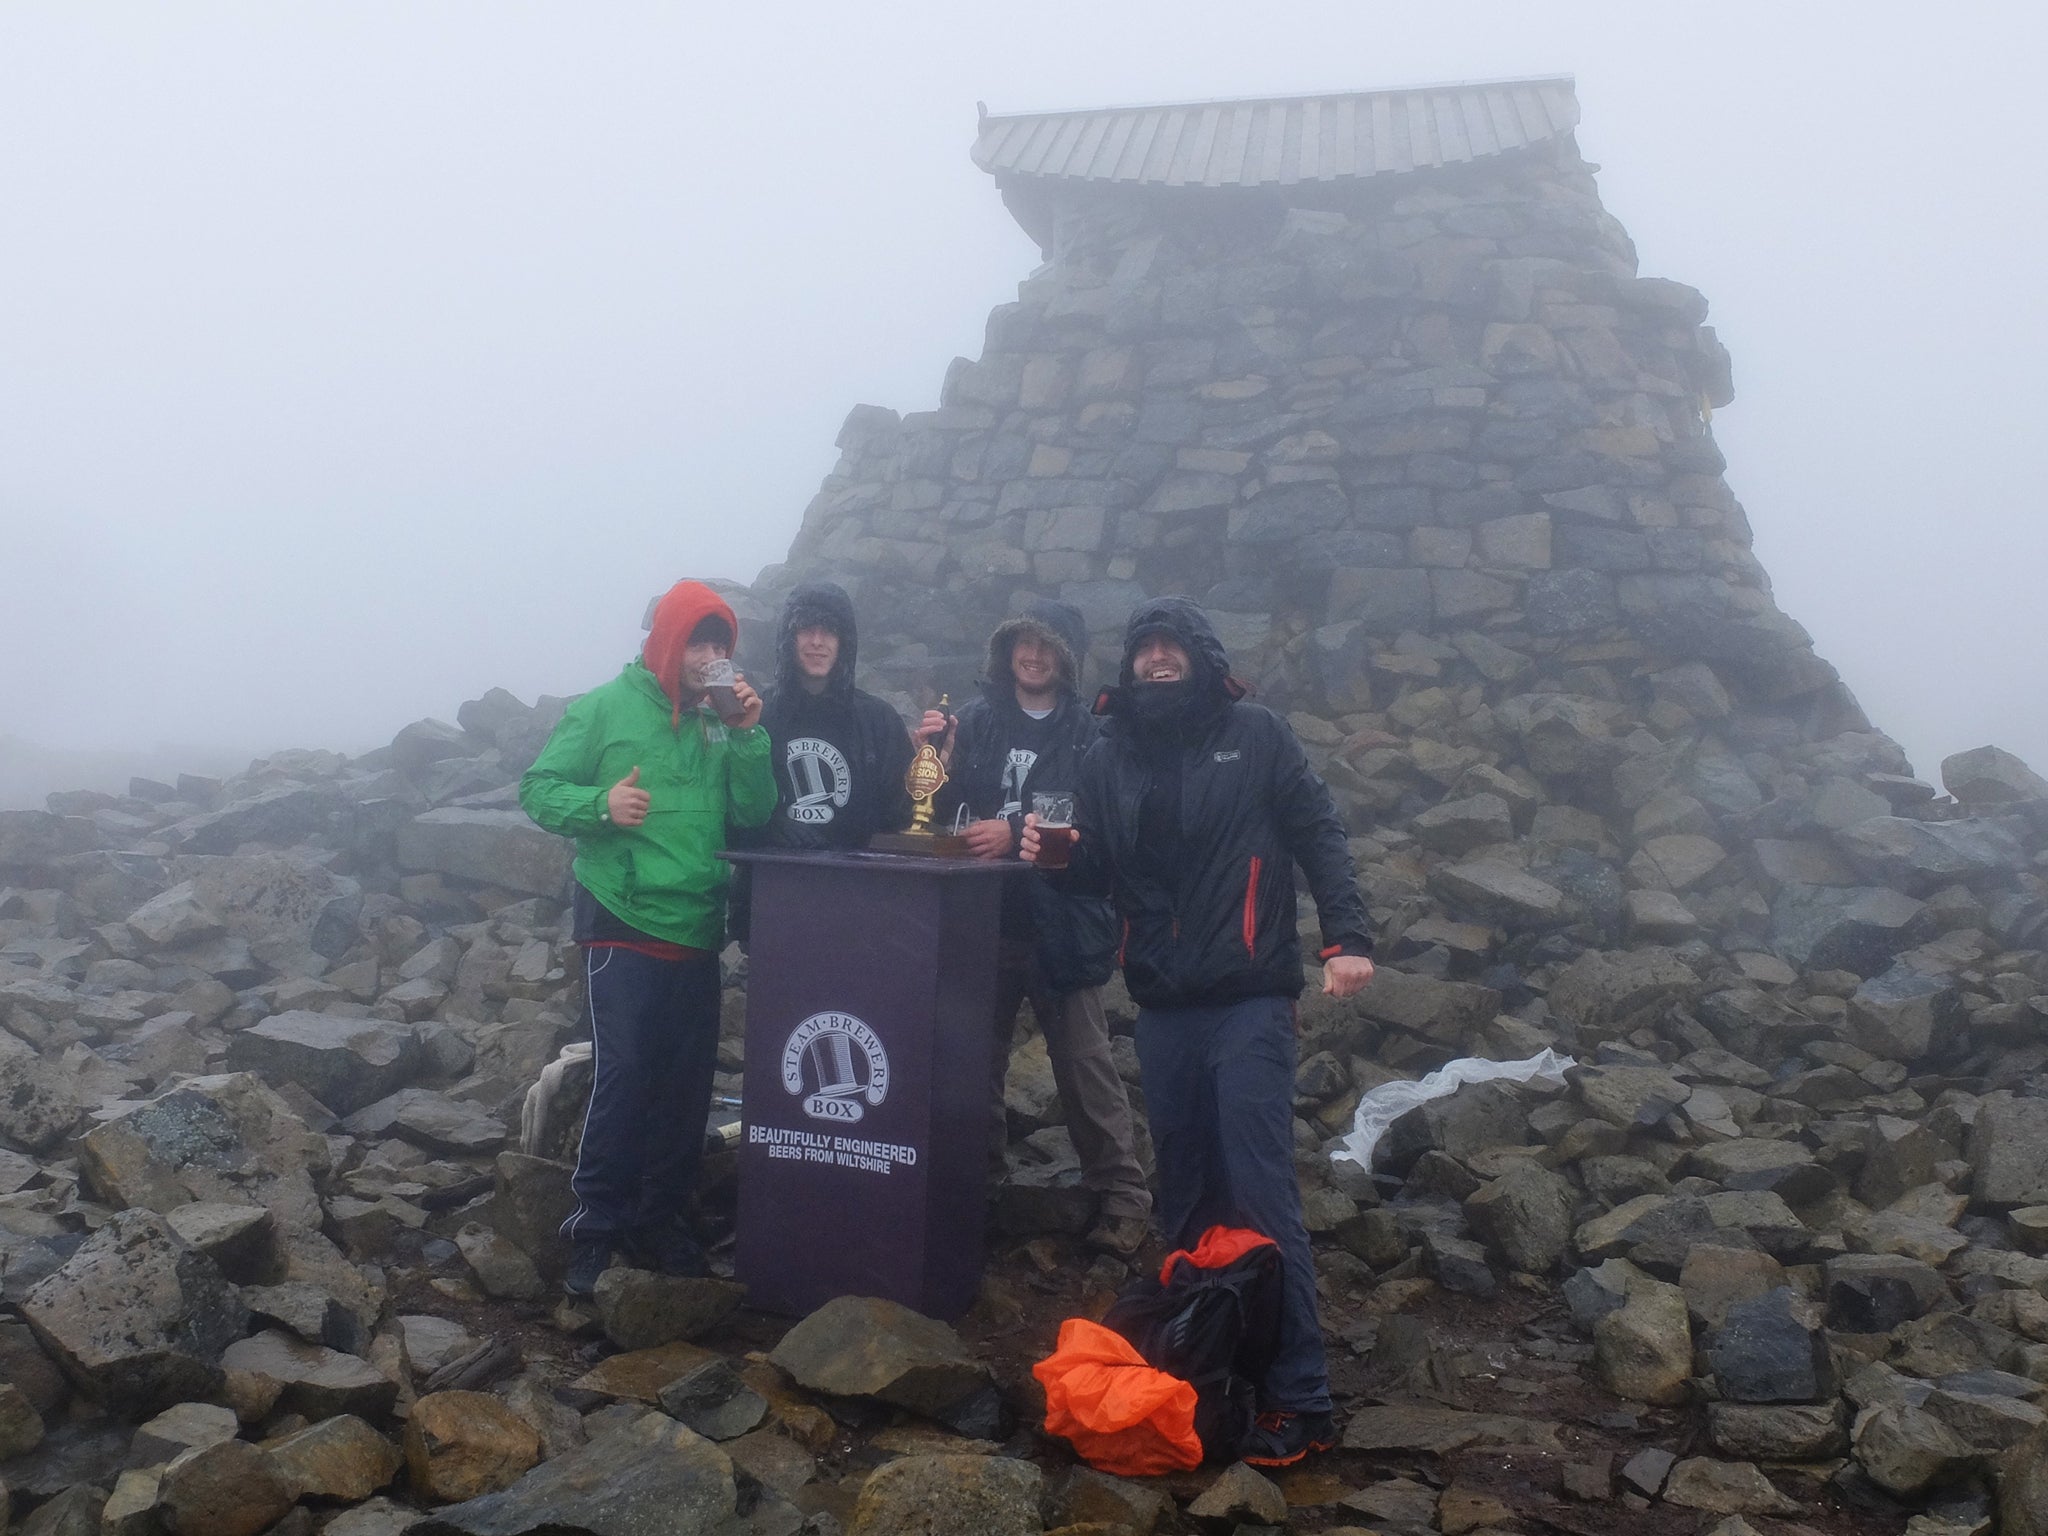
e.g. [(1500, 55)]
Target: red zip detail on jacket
[(1123, 943), (1251, 910)]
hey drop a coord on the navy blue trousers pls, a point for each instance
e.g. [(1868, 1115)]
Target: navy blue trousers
[(655, 1028), (1219, 1093)]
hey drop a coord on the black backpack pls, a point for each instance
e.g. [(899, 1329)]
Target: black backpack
[(1213, 1320)]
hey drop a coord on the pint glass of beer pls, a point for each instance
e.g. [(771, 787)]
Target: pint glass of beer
[(1055, 812), (716, 679)]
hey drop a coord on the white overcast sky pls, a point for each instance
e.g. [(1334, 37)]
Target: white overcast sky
[(355, 358)]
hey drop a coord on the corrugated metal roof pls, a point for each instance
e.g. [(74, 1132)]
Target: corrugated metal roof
[(1279, 141)]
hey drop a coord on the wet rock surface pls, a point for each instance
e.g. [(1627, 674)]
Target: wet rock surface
[(286, 1121)]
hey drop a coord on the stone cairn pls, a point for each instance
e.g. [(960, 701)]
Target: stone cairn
[(274, 1254)]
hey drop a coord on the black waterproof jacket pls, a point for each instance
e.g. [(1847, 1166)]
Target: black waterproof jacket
[(1215, 921), (839, 757), (1073, 933)]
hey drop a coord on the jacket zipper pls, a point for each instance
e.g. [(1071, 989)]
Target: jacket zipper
[(1251, 910)]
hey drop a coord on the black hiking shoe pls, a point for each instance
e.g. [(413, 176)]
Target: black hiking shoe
[(589, 1257), (1282, 1439), (667, 1248)]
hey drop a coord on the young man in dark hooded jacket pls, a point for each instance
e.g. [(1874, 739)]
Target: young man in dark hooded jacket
[(839, 753), (1027, 732), (1193, 811)]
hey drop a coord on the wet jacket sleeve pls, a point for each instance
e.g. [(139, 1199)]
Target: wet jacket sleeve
[(749, 778), (1088, 871), (557, 791), (1314, 834)]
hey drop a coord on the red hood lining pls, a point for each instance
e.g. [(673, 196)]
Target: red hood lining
[(681, 609)]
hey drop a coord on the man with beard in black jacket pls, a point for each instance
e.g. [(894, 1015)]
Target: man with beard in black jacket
[(1026, 733), (1192, 812), (839, 754)]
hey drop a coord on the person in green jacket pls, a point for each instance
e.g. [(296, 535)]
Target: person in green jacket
[(646, 776)]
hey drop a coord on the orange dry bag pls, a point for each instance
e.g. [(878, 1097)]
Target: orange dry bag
[(1122, 1415)]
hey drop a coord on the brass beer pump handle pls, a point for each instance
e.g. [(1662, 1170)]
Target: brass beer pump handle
[(927, 776)]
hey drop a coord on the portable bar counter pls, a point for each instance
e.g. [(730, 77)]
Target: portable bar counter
[(869, 1039)]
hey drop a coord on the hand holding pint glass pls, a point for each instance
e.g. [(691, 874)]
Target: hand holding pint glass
[(1052, 818), (720, 682)]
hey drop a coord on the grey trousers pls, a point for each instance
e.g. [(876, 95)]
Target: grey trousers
[(1098, 1108)]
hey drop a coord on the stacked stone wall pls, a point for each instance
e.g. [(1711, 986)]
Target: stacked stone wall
[(1440, 465)]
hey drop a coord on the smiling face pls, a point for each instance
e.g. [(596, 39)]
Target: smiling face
[(1034, 665), (817, 652), (1160, 659)]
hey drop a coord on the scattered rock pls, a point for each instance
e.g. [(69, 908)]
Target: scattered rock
[(640, 1310), (1643, 1348), (180, 1428), (500, 1268), (345, 1063), (1906, 1451), (1525, 1216), (1991, 776), (21, 1427), (430, 1120), (646, 1475), (1779, 1431), (2009, 1152), (1726, 1488), (858, 1346), (713, 1400), (137, 1317), (463, 1445), (338, 1458), (318, 1382), (229, 1489), (1239, 1496), (1772, 1350), (950, 1496)]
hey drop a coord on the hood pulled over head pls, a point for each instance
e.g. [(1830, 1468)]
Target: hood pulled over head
[(817, 604), (1172, 707), (1182, 621), (1058, 624), (681, 609)]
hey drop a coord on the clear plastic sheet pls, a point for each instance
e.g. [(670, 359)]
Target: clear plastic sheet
[(1385, 1104)]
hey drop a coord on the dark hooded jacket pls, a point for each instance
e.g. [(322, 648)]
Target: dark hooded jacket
[(1194, 809), (1000, 758), (840, 755)]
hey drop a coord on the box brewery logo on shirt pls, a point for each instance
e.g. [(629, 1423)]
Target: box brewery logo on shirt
[(1016, 769), (837, 1066), (819, 775)]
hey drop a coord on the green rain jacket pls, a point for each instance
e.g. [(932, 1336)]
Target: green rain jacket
[(663, 876)]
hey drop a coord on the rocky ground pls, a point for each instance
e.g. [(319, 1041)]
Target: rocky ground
[(1775, 1258)]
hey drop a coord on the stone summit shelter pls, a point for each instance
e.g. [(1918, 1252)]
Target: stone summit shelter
[(1374, 378)]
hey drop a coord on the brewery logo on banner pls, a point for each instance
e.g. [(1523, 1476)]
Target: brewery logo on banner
[(1016, 769), (820, 778), (836, 1065)]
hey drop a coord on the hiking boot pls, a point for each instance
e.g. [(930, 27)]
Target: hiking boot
[(589, 1257), (667, 1248), (1281, 1439), (1121, 1236)]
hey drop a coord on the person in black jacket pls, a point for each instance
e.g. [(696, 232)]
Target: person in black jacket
[(1025, 733), (839, 754), (1193, 812)]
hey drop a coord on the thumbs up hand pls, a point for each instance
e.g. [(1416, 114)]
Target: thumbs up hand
[(625, 802)]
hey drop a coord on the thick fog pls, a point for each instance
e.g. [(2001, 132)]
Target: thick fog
[(357, 358)]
